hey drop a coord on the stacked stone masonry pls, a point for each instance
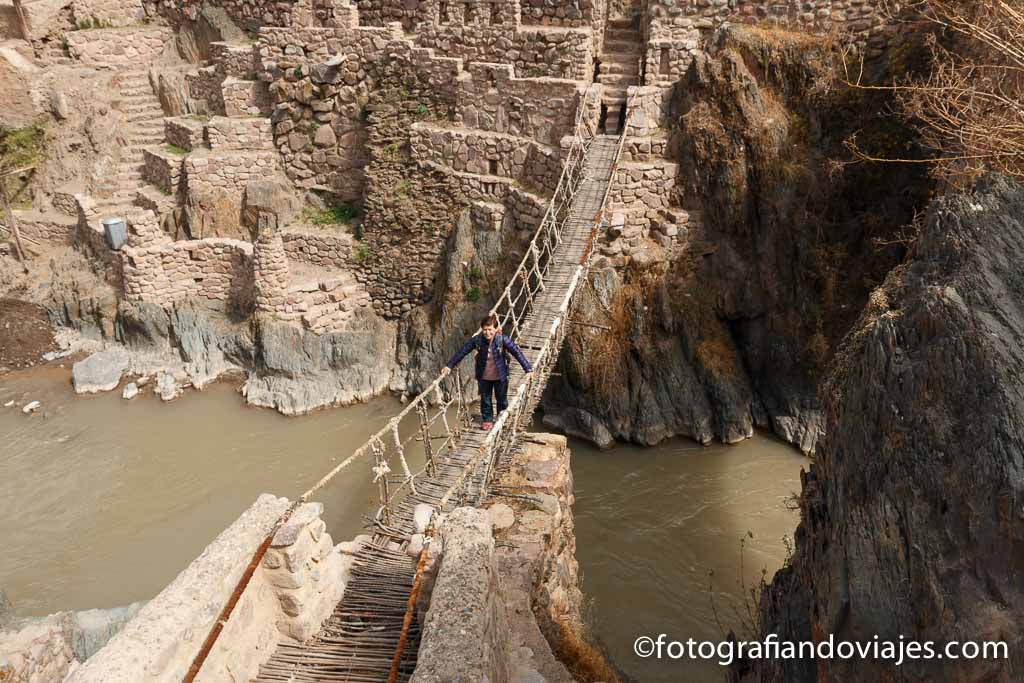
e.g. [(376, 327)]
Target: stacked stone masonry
[(532, 52), (113, 13), (252, 133), (244, 98), (307, 573), (126, 47), (205, 89), (238, 61), (490, 154), (185, 132), (570, 13), (321, 249), (541, 109), (227, 171), (160, 270), (163, 168)]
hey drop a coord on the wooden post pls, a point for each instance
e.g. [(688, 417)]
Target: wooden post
[(12, 224), (428, 447), (22, 21)]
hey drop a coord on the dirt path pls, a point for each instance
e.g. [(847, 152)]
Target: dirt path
[(25, 334)]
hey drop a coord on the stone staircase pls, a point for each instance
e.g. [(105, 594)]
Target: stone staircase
[(619, 68), (50, 53), (326, 305), (145, 126)]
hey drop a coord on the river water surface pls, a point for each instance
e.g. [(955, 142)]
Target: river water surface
[(653, 524), (103, 501)]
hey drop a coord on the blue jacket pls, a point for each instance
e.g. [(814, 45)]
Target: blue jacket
[(502, 345)]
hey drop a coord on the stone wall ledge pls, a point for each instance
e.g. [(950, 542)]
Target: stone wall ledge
[(161, 641)]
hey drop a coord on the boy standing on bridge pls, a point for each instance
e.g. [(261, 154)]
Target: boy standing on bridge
[(492, 348)]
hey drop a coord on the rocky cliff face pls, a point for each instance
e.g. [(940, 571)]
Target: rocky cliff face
[(912, 523), (734, 330)]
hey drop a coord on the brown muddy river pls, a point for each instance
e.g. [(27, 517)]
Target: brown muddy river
[(652, 523), (103, 501)]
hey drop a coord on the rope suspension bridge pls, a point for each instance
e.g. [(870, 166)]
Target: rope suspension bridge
[(372, 635)]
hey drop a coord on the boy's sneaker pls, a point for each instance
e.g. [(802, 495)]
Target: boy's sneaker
[(486, 426)]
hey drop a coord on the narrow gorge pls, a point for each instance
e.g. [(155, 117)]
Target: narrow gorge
[(706, 223)]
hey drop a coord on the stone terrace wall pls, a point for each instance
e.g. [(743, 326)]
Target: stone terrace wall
[(133, 47), (205, 87), (49, 228), (542, 109), (533, 53), (243, 97), (332, 100), (254, 14), (862, 19), (563, 13), (410, 209), (240, 134), (162, 168), (643, 189), (227, 171), (238, 61), (108, 12), (184, 132), (162, 271), (420, 15), (321, 249), (322, 114), (469, 150), (670, 51), (487, 154)]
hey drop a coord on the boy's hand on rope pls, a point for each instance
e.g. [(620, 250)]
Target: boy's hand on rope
[(445, 370)]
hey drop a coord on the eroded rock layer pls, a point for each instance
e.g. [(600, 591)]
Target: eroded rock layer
[(911, 518)]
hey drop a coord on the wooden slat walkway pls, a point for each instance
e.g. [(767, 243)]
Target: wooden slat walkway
[(358, 641)]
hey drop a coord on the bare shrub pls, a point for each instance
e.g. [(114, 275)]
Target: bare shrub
[(586, 662), (970, 106)]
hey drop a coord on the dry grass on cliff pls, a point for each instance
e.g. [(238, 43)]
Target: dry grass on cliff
[(717, 357), (587, 663), (606, 351), (969, 107)]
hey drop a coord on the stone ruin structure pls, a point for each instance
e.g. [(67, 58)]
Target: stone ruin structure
[(412, 112)]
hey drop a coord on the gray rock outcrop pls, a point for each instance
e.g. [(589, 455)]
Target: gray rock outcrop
[(911, 521), (298, 371), (101, 371)]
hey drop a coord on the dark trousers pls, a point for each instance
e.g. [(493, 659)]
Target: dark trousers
[(500, 389)]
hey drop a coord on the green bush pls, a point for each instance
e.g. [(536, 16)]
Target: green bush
[(473, 294), (361, 253), (332, 215), (21, 146)]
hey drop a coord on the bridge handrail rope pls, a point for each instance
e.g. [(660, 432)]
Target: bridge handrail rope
[(444, 392)]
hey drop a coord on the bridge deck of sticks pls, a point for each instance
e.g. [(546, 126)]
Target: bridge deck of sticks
[(358, 641)]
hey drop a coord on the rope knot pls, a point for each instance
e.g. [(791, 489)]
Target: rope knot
[(380, 470)]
